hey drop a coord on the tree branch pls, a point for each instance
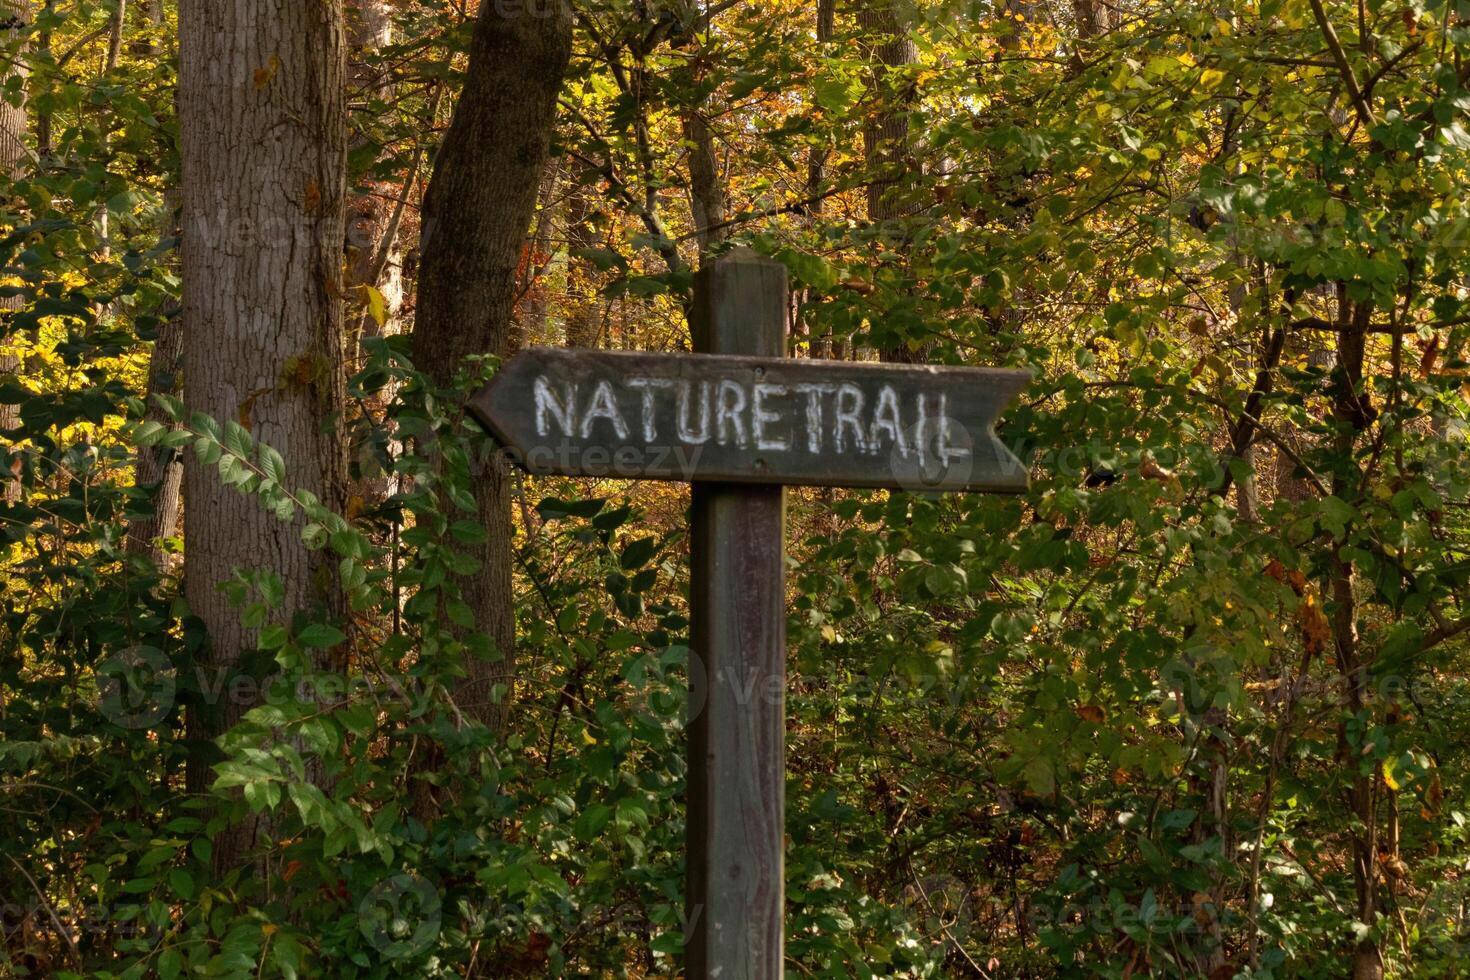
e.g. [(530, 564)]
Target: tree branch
[(1355, 93)]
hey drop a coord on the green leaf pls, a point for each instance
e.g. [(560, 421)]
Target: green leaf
[(272, 463), (321, 636), (274, 637), (836, 92), (637, 554)]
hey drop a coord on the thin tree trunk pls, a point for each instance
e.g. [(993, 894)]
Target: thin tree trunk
[(262, 121), (374, 218), (886, 134), (584, 305), (529, 323), (1353, 414), (43, 116), (706, 184), (149, 15), (1090, 18), (115, 36), (476, 215), (816, 174), (369, 214), (102, 217), (160, 471)]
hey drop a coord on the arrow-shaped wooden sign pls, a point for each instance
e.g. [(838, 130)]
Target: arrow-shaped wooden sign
[(707, 417), (718, 419)]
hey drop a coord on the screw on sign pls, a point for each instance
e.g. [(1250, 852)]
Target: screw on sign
[(741, 422)]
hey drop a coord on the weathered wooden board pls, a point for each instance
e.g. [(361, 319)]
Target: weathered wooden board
[(736, 817), (754, 420)]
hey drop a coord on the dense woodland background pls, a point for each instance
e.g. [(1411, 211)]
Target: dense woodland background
[(361, 701)]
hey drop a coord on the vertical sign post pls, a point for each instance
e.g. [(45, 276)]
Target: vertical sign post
[(764, 423), (735, 889)]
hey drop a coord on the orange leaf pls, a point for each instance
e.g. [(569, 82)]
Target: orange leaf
[(264, 75)]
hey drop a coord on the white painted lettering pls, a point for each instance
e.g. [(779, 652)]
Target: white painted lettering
[(814, 413), (729, 426), (604, 406), (947, 451), (760, 418), (846, 412), (886, 417), (547, 404), (686, 433), (921, 431), (647, 386)]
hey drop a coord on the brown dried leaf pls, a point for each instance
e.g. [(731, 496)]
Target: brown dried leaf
[(263, 76), (1092, 713)]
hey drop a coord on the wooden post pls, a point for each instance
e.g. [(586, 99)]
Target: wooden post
[(765, 422), (735, 889)]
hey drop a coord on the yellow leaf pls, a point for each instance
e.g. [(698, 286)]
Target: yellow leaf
[(377, 306), (1388, 779)]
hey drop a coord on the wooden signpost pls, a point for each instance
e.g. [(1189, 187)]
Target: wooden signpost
[(740, 422)]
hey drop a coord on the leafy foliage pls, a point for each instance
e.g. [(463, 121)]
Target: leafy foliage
[(1192, 707)]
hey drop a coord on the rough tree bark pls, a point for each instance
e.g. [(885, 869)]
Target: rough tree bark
[(263, 136), (885, 135), (15, 16), (476, 215), (706, 183)]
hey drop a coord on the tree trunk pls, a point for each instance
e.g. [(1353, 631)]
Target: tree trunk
[(1091, 18), (1354, 414), (885, 135), (160, 471), (149, 15), (262, 121), (15, 15), (115, 33), (529, 322), (374, 257), (816, 174), (374, 218), (476, 215), (584, 305), (706, 184)]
